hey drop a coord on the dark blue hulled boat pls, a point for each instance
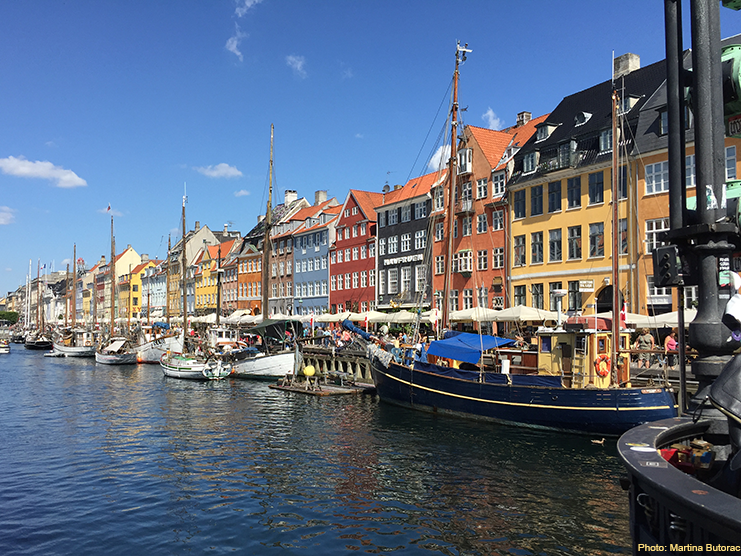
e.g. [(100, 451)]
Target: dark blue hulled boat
[(577, 401)]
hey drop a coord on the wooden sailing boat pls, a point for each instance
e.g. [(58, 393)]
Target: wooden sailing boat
[(267, 363), (38, 340), (496, 387), (74, 341)]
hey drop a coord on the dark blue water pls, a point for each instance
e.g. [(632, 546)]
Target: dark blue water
[(108, 460)]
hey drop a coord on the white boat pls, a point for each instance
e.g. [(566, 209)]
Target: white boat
[(4, 345), (117, 352), (177, 365), (152, 350), (76, 343), (260, 365)]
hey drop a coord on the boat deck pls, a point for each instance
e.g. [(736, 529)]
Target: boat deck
[(313, 389)]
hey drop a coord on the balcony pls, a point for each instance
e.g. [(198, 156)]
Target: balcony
[(464, 206)]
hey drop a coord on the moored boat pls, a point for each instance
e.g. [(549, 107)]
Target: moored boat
[(117, 352), (178, 365), (38, 342), (77, 342), (273, 357)]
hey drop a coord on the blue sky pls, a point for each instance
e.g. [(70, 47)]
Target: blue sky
[(124, 102)]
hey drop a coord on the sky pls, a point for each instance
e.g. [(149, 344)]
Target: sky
[(132, 103)]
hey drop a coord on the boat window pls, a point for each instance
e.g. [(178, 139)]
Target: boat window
[(545, 344), (601, 345)]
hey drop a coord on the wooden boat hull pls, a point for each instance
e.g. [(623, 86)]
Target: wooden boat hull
[(192, 368), (265, 366), (115, 358), (152, 351), (608, 412), (74, 351), (39, 345)]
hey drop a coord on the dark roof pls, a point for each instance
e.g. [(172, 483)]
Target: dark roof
[(571, 124), (256, 234)]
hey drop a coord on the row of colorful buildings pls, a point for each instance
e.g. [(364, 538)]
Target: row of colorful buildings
[(531, 222)]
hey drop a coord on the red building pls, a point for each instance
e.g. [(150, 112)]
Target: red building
[(352, 268)]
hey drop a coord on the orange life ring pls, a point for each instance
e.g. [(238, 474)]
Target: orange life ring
[(602, 365)]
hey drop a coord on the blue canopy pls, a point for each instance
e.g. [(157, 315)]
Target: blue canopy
[(466, 347)]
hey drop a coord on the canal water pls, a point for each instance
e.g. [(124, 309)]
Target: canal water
[(121, 460)]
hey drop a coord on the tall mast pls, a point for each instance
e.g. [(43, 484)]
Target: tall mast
[(113, 275), (66, 297), (74, 285), (182, 258), (266, 241), (167, 281), (616, 241), (39, 325), (460, 56), (218, 287)]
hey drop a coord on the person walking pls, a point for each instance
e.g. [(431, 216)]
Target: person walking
[(670, 349), (644, 342)]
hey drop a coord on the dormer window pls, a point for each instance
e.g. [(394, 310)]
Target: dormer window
[(581, 118), (529, 162), (627, 104), (464, 161), (605, 140), (544, 131)]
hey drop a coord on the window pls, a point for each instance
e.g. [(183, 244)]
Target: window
[(439, 231), (536, 247), (623, 182), (381, 246), (363, 228), (497, 219), (528, 163), (347, 281), (393, 280), (605, 140), (497, 187), (536, 292), (597, 239), (363, 279), (453, 304), (354, 253), (372, 250), (482, 296), (467, 299), (332, 283), (463, 261), (482, 188), (653, 230), (497, 257), (347, 234), (481, 223), (554, 245), (464, 161), (406, 213), (281, 268), (519, 207), (420, 210), (333, 259), (420, 239), (393, 217), (731, 163), (623, 235), (553, 288), (657, 177), (339, 255), (554, 196), (482, 260), (420, 274), (466, 191), (519, 251), (355, 231), (381, 282), (406, 242), (382, 219), (596, 188), (354, 211), (355, 282), (440, 264), (438, 198), (689, 170), (520, 295), (363, 252), (536, 200), (467, 226), (310, 265), (574, 242), (406, 279), (573, 192), (574, 296), (393, 245)]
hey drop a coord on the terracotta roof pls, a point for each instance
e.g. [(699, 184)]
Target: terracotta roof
[(226, 247), (415, 187), (493, 143), (525, 132), (366, 200)]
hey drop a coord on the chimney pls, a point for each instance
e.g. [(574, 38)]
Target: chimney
[(625, 64), (260, 218), (290, 197), (145, 258), (397, 186), (198, 226), (226, 228), (523, 118), (320, 197)]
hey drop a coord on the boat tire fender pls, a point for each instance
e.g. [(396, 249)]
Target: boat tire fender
[(602, 365)]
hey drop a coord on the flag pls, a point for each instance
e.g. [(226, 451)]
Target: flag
[(366, 323), (312, 321), (624, 313), (109, 208)]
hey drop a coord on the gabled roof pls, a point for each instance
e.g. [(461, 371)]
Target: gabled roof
[(415, 187), (493, 143), (366, 200)]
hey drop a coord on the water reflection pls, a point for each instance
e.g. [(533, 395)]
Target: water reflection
[(123, 460)]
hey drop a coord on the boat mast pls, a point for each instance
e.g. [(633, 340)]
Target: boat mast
[(113, 276), (66, 297), (167, 281), (185, 299), (39, 325), (460, 56), (74, 285), (266, 240), (218, 287), (616, 242)]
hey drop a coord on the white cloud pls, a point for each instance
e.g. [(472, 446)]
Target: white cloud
[(297, 63), (222, 170), (241, 193), (243, 6), (7, 216), (439, 159), (492, 120), (23, 168), (232, 45)]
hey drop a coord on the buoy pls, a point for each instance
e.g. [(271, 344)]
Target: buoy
[(309, 370)]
